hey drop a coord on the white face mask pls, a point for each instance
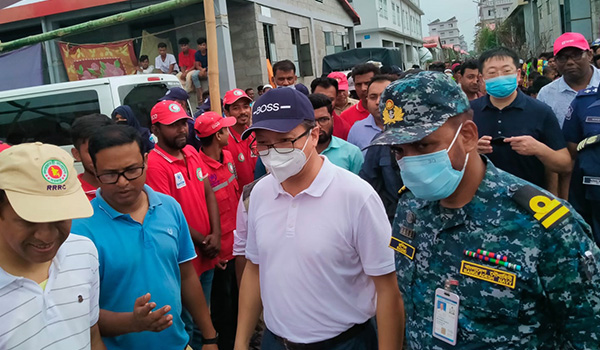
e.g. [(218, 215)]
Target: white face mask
[(284, 166)]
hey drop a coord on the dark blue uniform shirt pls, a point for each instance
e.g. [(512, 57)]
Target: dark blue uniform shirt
[(524, 116), (583, 121)]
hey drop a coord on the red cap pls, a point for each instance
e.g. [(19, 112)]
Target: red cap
[(232, 96), (209, 123), (570, 40), (341, 79), (167, 113)]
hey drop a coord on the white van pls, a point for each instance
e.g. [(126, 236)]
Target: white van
[(45, 113)]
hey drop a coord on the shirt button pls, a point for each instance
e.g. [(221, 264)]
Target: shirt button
[(294, 205), (499, 132), (499, 121)]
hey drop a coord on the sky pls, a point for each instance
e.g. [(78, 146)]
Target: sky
[(464, 10)]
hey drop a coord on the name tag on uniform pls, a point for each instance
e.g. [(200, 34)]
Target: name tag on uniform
[(488, 274), (179, 180), (592, 120), (445, 316), (402, 248), (591, 180)]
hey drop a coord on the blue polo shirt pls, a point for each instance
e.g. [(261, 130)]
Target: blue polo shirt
[(344, 154), (136, 259), (362, 132), (524, 116)]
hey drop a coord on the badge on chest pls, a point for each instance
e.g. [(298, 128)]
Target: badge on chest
[(445, 316), (179, 180)]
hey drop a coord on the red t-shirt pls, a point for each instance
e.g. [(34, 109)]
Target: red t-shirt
[(242, 157), (90, 191), (187, 61), (223, 181), (184, 181), (354, 114), (340, 127)]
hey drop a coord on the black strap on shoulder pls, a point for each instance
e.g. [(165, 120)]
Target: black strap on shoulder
[(248, 189), (549, 211)]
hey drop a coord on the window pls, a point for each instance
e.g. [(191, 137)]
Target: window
[(46, 118), (334, 42), (451, 25), (441, 26), (490, 13), (142, 97), (394, 18), (383, 9), (302, 57), (270, 48)]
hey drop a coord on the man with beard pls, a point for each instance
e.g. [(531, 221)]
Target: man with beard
[(329, 88), (364, 130), (237, 104), (338, 151), (469, 79), (176, 169)]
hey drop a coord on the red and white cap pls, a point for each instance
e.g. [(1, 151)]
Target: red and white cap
[(232, 96), (167, 113), (341, 79), (570, 40), (209, 123)]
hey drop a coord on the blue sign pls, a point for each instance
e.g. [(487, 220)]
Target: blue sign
[(367, 37)]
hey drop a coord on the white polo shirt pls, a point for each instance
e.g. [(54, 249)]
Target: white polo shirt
[(240, 234), (316, 252), (60, 316)]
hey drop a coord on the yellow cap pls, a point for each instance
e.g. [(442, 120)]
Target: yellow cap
[(41, 183)]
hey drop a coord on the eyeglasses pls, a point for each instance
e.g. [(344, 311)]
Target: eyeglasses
[(577, 56), (129, 174), (279, 147), (323, 120)]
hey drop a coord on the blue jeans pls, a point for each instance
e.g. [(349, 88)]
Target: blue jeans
[(366, 339), (190, 326)]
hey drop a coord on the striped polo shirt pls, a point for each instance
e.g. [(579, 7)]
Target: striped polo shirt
[(60, 316)]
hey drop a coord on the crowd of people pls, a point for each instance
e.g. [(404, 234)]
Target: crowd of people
[(452, 207)]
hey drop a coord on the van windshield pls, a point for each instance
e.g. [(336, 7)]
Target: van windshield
[(45, 118), (142, 97)]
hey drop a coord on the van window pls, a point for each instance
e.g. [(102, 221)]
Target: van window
[(46, 118), (142, 97)]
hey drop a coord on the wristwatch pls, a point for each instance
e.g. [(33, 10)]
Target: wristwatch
[(209, 341)]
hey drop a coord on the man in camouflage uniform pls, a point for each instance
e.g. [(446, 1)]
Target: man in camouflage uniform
[(550, 301)]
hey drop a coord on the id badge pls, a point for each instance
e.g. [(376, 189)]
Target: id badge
[(445, 316)]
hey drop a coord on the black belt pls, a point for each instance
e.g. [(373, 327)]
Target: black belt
[(325, 344)]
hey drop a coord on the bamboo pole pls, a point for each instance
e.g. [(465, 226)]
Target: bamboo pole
[(98, 24), (213, 56)]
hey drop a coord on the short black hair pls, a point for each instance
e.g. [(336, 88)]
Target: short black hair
[(201, 41), (208, 140), (416, 66), (437, 66), (112, 136), (184, 41), (3, 198), (365, 68), (498, 52), (381, 77), (284, 66), (548, 55), (320, 101), (538, 84), (143, 58), (85, 126), (469, 64), (457, 68), (325, 83), (161, 45), (248, 89), (260, 88)]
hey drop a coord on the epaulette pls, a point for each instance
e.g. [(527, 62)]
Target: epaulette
[(588, 91), (547, 210), (248, 189), (402, 190)]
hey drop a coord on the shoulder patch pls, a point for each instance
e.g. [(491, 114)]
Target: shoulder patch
[(588, 91), (402, 190), (548, 211)]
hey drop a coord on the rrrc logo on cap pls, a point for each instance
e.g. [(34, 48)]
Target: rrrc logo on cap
[(55, 172), (173, 107), (238, 92)]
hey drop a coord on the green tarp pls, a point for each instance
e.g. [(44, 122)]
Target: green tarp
[(345, 60)]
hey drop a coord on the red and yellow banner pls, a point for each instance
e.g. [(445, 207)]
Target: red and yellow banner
[(91, 61)]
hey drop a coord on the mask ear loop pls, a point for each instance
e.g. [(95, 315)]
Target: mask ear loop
[(452, 144)]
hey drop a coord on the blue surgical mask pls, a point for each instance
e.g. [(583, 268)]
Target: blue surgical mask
[(502, 86), (431, 176)]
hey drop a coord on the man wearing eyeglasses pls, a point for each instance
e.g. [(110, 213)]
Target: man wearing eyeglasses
[(145, 251), (519, 134), (573, 60), (317, 243)]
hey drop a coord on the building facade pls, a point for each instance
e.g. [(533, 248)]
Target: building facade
[(493, 12), (448, 32), (248, 33), (390, 23)]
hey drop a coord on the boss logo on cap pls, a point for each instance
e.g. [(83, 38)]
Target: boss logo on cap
[(173, 107), (55, 172), (269, 107)]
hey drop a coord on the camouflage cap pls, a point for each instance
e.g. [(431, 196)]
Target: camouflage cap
[(417, 105)]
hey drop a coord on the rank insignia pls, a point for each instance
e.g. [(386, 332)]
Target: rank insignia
[(392, 113), (488, 274), (402, 248)]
